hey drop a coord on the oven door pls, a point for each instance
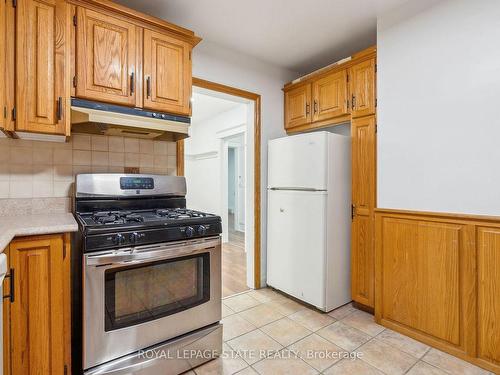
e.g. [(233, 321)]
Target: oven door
[(138, 297)]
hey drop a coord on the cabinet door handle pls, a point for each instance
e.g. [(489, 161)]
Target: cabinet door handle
[(132, 83), (59, 108), (353, 211), (353, 101), (307, 108), (315, 106), (148, 86), (12, 294)]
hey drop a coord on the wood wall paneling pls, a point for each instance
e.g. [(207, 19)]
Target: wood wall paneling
[(488, 267)]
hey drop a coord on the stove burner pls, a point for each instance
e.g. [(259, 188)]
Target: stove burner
[(116, 217), (178, 214)]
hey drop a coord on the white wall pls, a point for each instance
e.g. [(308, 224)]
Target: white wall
[(438, 100), (217, 64)]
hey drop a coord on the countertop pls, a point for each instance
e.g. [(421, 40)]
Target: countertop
[(30, 225)]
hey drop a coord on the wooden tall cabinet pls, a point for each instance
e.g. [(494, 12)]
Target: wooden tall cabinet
[(38, 334), (363, 205), (107, 57), (167, 73), (42, 67)]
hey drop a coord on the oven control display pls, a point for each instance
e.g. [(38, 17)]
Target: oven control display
[(136, 183)]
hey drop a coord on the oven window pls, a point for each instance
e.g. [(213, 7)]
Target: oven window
[(145, 292)]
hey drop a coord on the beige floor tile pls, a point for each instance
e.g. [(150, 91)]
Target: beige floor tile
[(422, 368), (364, 322), (345, 336), (311, 319), (265, 295), (190, 372), (234, 326), (317, 351), (226, 311), (240, 302), (225, 365), (261, 315), (342, 311), (286, 331), (254, 346), (284, 366), (386, 358), (404, 343), (452, 365), (286, 307), (248, 371), (352, 367)]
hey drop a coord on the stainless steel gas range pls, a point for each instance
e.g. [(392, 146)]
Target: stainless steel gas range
[(147, 277)]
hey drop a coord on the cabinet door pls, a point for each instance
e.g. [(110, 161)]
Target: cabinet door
[(330, 96), (363, 200), (488, 303), (298, 106), (38, 313), (42, 63), (3, 41), (167, 73), (106, 58), (363, 89)]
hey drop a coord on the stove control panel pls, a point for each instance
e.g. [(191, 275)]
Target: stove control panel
[(96, 242)]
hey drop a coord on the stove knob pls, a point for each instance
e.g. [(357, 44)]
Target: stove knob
[(134, 237), (119, 239), (202, 230), (189, 232)]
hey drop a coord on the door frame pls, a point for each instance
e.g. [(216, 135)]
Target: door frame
[(201, 83)]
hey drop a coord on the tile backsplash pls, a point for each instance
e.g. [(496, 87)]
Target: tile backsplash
[(35, 169)]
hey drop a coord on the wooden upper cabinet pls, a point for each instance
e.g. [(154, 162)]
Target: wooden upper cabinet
[(363, 93), (106, 58), (298, 106), (330, 96), (40, 312), (3, 41), (42, 64), (167, 73)]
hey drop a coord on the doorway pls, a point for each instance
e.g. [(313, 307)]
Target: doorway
[(218, 161)]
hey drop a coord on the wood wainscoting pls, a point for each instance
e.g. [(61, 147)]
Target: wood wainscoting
[(437, 279)]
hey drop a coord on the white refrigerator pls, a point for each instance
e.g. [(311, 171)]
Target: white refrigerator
[(309, 218)]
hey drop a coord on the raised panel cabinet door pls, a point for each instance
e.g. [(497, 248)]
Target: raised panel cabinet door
[(488, 303), (167, 73), (42, 50), (106, 58), (363, 89), (38, 312), (363, 260), (298, 106), (363, 201), (3, 81), (330, 96)]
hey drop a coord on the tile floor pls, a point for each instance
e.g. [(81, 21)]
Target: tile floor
[(266, 333)]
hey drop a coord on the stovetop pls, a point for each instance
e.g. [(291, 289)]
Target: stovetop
[(125, 218)]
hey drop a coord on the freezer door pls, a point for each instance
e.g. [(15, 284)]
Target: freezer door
[(299, 161), (296, 244)]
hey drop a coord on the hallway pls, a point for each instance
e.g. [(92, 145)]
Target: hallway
[(234, 267)]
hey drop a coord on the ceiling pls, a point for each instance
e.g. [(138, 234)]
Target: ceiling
[(298, 35), (206, 107)]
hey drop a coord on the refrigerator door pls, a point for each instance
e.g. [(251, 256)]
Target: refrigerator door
[(299, 162), (296, 244)]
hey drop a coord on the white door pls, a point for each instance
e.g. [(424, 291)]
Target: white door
[(299, 161), (296, 244)]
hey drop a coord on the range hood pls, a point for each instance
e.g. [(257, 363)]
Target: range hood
[(108, 119)]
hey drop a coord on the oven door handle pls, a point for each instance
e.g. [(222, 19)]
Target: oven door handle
[(151, 253)]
